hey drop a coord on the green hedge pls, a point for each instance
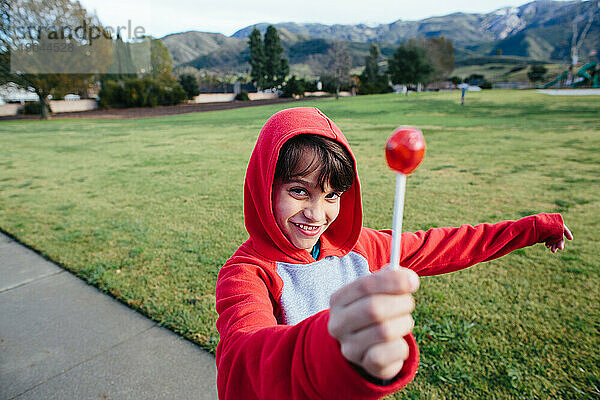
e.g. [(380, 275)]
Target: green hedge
[(140, 92)]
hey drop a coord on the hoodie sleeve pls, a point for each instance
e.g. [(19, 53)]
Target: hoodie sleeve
[(442, 250), (259, 359)]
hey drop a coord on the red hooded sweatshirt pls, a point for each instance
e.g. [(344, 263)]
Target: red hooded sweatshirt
[(272, 298)]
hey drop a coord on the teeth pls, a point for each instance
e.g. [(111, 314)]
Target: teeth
[(308, 227)]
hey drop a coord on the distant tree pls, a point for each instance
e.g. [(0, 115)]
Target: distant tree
[(309, 85), (340, 66), (486, 84), (456, 80), (371, 80), (161, 61), (409, 65), (276, 65), (475, 79), (164, 88), (318, 64), (157, 87), (257, 58), (440, 53), (189, 84), (328, 82), (536, 73), (36, 23), (123, 61), (293, 87), (371, 71)]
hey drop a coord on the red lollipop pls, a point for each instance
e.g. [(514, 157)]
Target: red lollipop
[(404, 152), (405, 149)]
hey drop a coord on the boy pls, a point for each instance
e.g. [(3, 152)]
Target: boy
[(306, 309)]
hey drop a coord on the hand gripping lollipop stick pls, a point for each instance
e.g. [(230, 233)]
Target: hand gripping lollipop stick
[(404, 152)]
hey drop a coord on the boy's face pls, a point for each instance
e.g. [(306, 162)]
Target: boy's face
[(303, 211)]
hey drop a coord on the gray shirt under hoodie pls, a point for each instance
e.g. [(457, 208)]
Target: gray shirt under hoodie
[(307, 287)]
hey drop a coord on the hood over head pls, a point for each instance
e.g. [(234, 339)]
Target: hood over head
[(267, 237)]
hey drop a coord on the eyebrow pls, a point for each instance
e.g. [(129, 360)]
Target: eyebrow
[(301, 181), (306, 183)]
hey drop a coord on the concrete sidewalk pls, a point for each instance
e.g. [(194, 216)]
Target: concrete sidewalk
[(61, 338)]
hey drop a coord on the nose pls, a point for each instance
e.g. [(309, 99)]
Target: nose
[(315, 211)]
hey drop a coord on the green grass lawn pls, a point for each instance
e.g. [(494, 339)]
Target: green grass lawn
[(148, 210)]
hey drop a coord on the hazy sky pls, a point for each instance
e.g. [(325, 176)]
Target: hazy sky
[(160, 18)]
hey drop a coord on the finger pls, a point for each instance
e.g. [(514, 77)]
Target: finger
[(568, 233), (385, 332), (561, 244), (385, 281), (378, 308), (386, 360), (354, 346)]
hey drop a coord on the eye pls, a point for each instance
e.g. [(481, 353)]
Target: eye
[(333, 196), (298, 192)]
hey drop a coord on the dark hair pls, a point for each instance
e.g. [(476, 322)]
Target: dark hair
[(334, 161)]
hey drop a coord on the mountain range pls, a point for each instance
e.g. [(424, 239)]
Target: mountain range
[(537, 31)]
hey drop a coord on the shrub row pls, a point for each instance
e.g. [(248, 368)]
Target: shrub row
[(144, 92)]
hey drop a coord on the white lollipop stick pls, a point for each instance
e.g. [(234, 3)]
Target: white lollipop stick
[(404, 152), (397, 222)]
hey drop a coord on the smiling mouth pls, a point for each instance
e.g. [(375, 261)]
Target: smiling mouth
[(309, 230)]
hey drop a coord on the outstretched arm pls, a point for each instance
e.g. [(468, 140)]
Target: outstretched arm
[(442, 250)]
